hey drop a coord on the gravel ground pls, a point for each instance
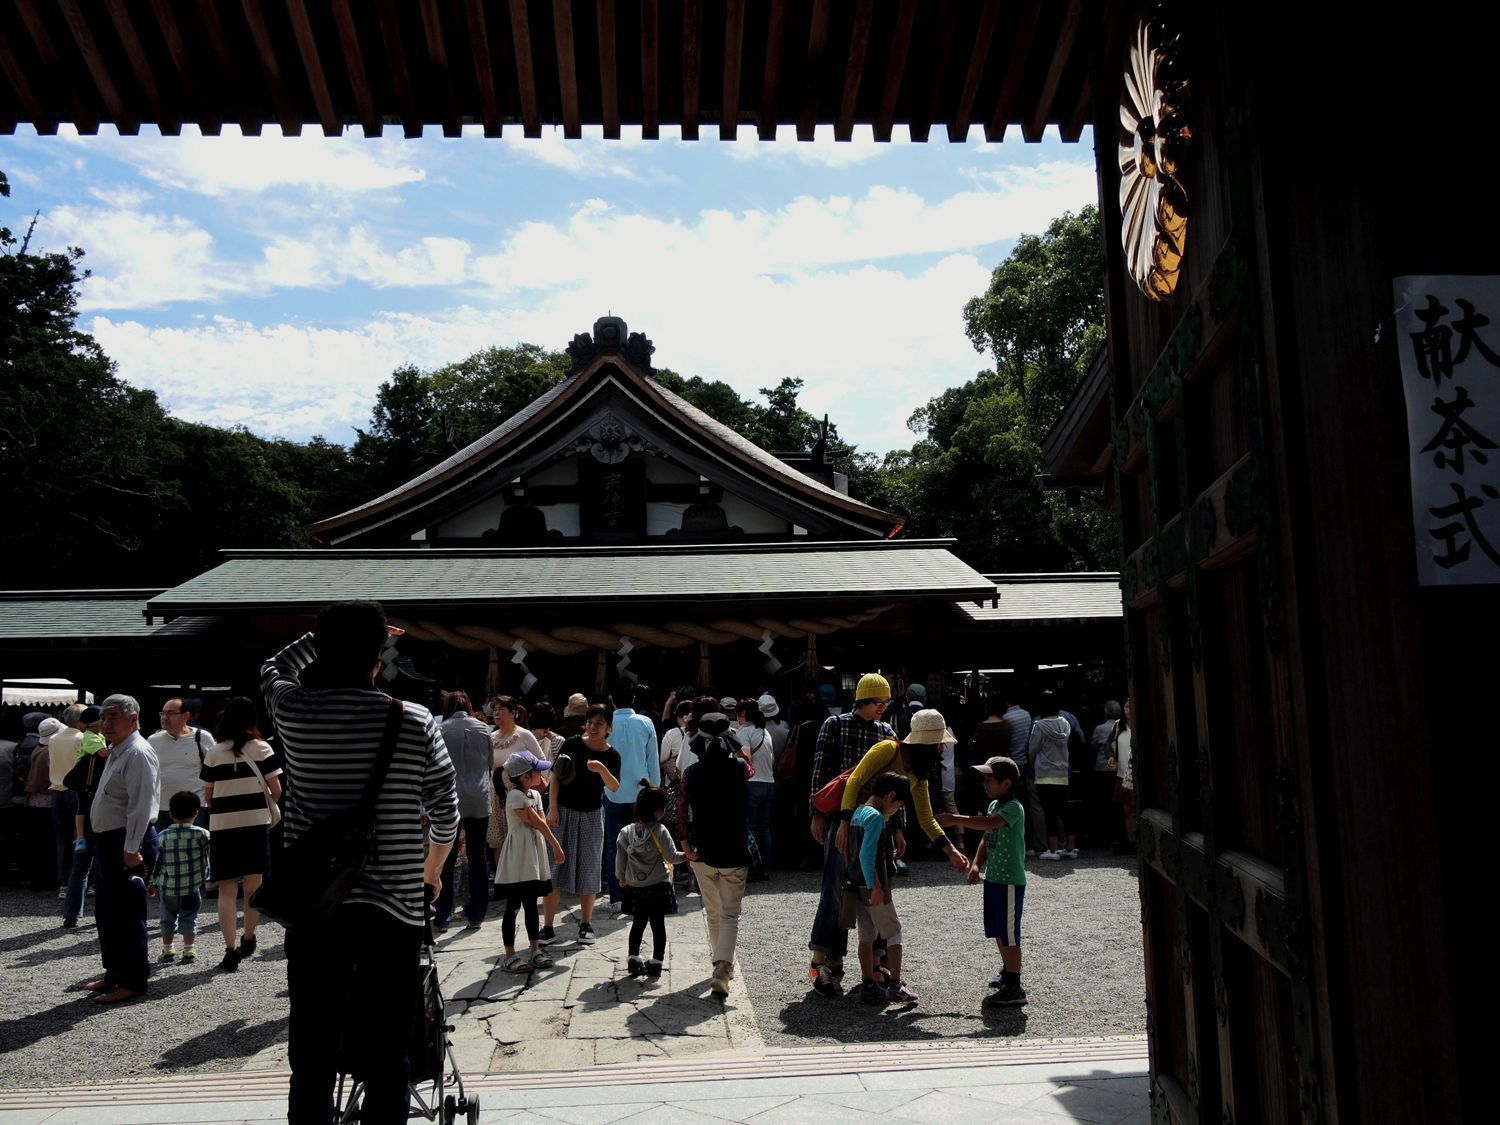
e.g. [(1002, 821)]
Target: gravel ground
[(1083, 972), (1081, 938), (196, 1018)]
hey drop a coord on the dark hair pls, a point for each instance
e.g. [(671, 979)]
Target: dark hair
[(1047, 704), (995, 705), (642, 699), (599, 711), (348, 637), (236, 724), (543, 715), (685, 707), (650, 803), (184, 805), (702, 705), (509, 702), (750, 708), (454, 702), (1005, 769), (811, 709), (889, 783)]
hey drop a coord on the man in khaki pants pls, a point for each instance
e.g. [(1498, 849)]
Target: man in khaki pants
[(713, 819)]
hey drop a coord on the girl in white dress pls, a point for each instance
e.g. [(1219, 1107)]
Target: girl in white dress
[(524, 873)]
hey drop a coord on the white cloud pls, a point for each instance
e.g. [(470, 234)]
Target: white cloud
[(822, 151), (589, 156), (140, 259), (122, 197), (233, 164)]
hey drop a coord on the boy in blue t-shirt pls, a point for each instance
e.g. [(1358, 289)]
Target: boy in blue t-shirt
[(871, 865), (1001, 863)]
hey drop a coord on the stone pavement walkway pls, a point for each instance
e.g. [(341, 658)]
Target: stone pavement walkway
[(1034, 1083), (586, 1009)]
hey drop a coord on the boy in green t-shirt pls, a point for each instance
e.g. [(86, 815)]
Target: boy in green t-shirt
[(1001, 861)]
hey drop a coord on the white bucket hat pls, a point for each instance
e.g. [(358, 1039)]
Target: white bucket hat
[(928, 728)]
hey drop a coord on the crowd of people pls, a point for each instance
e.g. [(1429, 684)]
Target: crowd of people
[(521, 804)]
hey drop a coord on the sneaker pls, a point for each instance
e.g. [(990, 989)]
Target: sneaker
[(231, 961), (69, 923), (473, 924), (653, 968), (1009, 995), (881, 975), (1070, 853), (168, 956), (870, 993), (634, 966), (586, 935), (901, 868), (189, 955), (824, 982), (1032, 853), (1050, 854), (247, 946), (838, 970), (719, 982), (899, 992), (517, 963), (441, 927), (997, 981), (548, 936)]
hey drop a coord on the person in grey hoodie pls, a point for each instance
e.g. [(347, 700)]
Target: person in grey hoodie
[(468, 742), (644, 856), (1048, 746)]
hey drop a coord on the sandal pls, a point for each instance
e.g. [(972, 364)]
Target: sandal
[(517, 963), (540, 960)]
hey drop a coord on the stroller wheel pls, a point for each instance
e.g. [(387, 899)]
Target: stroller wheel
[(450, 1110), (473, 1111)]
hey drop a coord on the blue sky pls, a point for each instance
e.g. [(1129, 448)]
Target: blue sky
[(275, 282)]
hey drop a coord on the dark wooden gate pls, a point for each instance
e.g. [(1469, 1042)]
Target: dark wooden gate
[(1297, 966)]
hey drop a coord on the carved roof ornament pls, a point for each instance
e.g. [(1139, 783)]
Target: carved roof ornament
[(1153, 202), (610, 335), (609, 442)]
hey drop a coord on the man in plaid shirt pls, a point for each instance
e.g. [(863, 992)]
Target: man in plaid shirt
[(181, 874), (842, 742)]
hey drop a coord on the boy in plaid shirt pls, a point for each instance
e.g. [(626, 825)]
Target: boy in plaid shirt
[(181, 874)]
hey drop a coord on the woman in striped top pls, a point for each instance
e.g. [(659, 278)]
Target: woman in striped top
[(353, 979), (239, 818)]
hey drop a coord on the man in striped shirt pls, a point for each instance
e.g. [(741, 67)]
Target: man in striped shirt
[(353, 981)]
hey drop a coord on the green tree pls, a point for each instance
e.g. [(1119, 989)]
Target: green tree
[(973, 473)]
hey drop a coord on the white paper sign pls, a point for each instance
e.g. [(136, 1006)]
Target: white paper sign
[(1448, 334)]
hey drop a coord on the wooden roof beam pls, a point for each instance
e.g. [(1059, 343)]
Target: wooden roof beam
[(650, 70), (44, 122), (312, 64), (692, 67), (926, 110), (895, 70), (1067, 37), (994, 130), (287, 115), (228, 72), (771, 82), (567, 67), (609, 72), (734, 46), (1072, 128), (817, 47), (437, 57), (206, 114), (354, 66), (854, 70), (125, 122), (168, 120), (395, 56), (520, 23), (484, 68), (963, 115)]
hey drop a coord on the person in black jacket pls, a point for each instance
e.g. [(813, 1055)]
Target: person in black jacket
[(713, 822)]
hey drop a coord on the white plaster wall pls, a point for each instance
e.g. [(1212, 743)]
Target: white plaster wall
[(473, 522)]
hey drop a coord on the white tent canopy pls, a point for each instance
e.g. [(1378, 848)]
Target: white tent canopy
[(40, 693)]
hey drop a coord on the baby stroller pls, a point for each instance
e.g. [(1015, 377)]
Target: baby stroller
[(433, 1069)]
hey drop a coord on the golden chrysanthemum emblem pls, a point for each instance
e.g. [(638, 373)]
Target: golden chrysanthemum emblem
[(1153, 202)]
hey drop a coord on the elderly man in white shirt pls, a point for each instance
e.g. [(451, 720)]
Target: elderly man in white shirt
[(180, 749), (123, 818)]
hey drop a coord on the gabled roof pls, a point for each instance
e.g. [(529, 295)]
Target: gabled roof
[(520, 579), (534, 432)]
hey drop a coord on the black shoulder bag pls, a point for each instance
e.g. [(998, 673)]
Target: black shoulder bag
[(313, 875)]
